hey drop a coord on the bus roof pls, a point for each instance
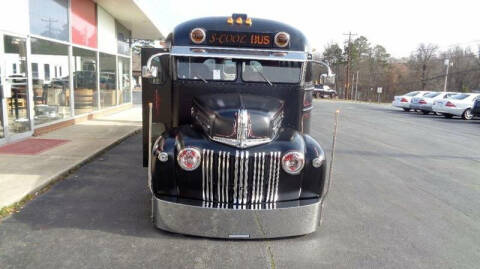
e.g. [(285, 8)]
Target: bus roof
[(217, 26)]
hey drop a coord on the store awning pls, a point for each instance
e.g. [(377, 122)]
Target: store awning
[(134, 15)]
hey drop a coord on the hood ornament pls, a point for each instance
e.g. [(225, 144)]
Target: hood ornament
[(244, 127)]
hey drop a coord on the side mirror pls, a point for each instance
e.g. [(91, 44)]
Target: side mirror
[(328, 78), (149, 72)]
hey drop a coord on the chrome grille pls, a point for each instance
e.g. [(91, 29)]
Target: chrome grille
[(255, 177)]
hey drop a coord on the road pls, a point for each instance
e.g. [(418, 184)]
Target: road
[(406, 194)]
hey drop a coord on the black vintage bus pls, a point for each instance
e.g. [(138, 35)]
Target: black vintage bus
[(226, 117)]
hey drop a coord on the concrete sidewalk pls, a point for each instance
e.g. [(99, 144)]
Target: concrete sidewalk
[(21, 175)]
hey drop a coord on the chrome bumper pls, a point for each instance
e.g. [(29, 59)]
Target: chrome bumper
[(281, 219)]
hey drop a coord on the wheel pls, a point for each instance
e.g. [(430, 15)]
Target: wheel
[(448, 116), (437, 113), (467, 114), (425, 112), (406, 109)]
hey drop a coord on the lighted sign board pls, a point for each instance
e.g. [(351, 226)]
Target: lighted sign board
[(237, 39)]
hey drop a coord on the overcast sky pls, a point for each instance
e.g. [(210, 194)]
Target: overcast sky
[(397, 25)]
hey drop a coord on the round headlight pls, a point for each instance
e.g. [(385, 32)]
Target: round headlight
[(282, 39), (198, 35), (293, 162), (189, 159)]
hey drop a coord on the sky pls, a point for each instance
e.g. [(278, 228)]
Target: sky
[(400, 26)]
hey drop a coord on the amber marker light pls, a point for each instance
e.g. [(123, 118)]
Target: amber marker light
[(239, 20), (282, 39), (248, 22), (230, 20), (198, 35)]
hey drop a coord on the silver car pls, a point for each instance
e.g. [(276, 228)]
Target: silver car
[(425, 103), (403, 101), (457, 105)]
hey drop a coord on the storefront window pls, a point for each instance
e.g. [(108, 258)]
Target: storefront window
[(51, 96), (84, 80), (49, 18), (124, 79), (123, 39), (108, 77), (15, 84)]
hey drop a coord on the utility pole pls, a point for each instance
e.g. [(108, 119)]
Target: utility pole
[(356, 88), (351, 92), (447, 63), (50, 22), (349, 50)]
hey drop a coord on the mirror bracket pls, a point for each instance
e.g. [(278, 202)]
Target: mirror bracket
[(149, 71)]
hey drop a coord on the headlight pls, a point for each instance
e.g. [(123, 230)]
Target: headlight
[(189, 159), (293, 162)]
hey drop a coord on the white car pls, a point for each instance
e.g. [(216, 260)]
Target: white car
[(458, 105), (403, 101), (425, 103)]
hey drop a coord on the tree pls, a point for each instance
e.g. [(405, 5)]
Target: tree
[(422, 62)]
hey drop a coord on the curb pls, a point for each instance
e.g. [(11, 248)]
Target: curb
[(40, 189)]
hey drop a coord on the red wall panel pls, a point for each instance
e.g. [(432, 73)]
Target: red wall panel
[(84, 23)]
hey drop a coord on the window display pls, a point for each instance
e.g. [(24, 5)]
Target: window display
[(124, 80), (15, 84), (51, 94), (84, 81), (108, 76)]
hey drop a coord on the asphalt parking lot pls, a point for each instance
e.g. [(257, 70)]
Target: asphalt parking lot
[(406, 194)]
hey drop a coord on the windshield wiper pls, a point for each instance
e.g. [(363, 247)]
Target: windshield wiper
[(264, 77), (204, 80)]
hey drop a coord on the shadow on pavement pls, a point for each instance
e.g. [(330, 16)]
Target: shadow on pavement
[(108, 194)]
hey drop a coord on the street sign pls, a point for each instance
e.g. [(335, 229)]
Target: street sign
[(379, 90)]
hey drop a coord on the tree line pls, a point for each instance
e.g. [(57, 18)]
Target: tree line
[(424, 69)]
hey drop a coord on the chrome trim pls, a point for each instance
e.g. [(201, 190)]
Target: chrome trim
[(277, 177), (239, 53), (258, 221), (262, 177), (203, 175), (254, 183), (240, 184), (211, 175), (245, 185), (241, 144), (235, 179), (219, 176), (267, 198), (276, 36), (307, 108), (227, 171)]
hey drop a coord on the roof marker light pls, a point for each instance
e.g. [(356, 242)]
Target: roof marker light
[(248, 21), (230, 20), (239, 20)]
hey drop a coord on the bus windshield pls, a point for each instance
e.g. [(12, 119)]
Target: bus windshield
[(273, 71), (206, 68)]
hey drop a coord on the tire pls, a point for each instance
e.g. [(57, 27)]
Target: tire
[(406, 109), (467, 114), (425, 112), (448, 116), (438, 113)]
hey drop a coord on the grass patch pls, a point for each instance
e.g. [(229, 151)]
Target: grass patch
[(8, 210)]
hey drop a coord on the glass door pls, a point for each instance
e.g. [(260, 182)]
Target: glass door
[(14, 87)]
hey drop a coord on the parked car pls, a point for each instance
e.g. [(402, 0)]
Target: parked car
[(476, 108), (322, 91), (458, 105), (425, 103), (403, 101)]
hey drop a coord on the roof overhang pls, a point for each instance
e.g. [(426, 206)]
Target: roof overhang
[(133, 15)]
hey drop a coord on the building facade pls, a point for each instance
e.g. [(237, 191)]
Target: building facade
[(65, 59)]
